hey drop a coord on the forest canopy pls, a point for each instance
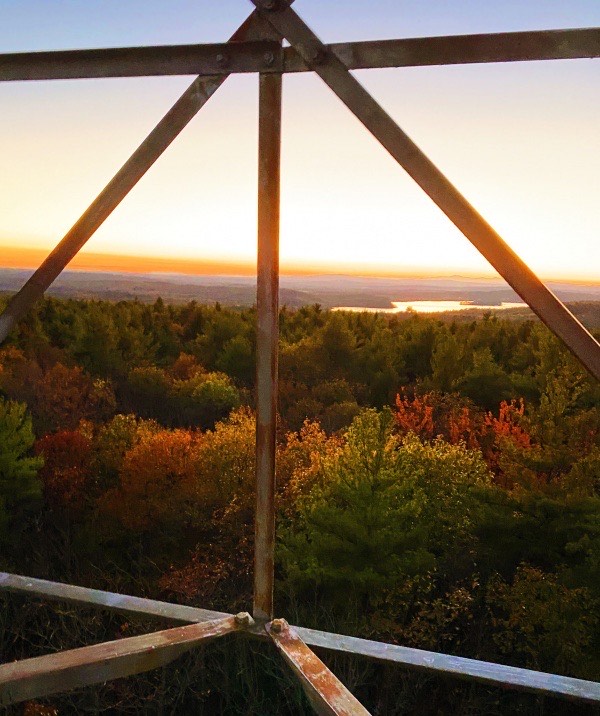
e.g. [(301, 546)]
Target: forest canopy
[(438, 487)]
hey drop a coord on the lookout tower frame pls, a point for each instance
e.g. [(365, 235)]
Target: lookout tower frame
[(257, 47)]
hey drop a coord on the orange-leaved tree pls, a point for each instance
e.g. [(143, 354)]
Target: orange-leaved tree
[(458, 421), (66, 474), (157, 482)]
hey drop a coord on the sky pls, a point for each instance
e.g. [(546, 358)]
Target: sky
[(520, 140)]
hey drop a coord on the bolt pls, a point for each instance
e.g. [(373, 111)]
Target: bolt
[(243, 619), (269, 4), (221, 59), (278, 625), (269, 58), (317, 57)]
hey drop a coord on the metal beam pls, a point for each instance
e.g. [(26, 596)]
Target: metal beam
[(447, 197), (455, 666), (266, 56), (460, 667), (65, 670), (204, 60), (122, 603), (326, 693), (459, 49), (170, 126), (267, 338)]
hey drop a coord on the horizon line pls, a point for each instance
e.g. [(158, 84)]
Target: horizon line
[(31, 258)]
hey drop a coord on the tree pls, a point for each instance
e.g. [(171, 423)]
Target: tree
[(19, 483), (486, 383), (226, 464), (149, 390), (220, 568), (112, 442), (57, 395), (387, 509), (66, 474), (545, 623), (237, 360), (157, 483), (447, 361), (198, 400), (64, 396)]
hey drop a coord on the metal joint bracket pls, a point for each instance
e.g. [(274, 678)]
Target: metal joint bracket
[(271, 5)]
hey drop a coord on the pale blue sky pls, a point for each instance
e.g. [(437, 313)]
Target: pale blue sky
[(59, 24)]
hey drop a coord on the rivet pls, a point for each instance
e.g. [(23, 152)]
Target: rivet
[(269, 58), (317, 56)]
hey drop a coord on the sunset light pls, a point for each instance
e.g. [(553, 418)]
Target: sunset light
[(519, 139), (300, 331)]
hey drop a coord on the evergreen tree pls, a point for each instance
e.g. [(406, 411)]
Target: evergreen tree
[(19, 484)]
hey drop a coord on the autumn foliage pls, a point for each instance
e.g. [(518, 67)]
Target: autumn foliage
[(438, 486), (157, 482), (434, 414), (66, 474)]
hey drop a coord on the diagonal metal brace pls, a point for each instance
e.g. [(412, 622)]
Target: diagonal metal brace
[(54, 673), (326, 693), (447, 197), (159, 139)]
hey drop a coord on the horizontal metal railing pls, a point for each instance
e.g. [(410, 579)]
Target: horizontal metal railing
[(268, 56), (455, 666)]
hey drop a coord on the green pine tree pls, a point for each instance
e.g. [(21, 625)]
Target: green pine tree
[(19, 484)]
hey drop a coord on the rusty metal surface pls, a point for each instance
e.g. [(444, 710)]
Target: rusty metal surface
[(266, 56), (447, 197), (267, 338), (122, 603), (460, 49), (325, 691), (203, 60), (54, 673), (455, 666), (170, 126)]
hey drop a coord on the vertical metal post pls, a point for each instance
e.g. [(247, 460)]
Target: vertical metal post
[(515, 272), (269, 153)]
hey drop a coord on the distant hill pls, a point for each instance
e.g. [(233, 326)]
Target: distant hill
[(296, 291)]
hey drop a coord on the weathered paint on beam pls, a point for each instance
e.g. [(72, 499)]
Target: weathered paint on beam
[(434, 183), (326, 693), (73, 669), (460, 49), (456, 666), (267, 339), (123, 603), (203, 60)]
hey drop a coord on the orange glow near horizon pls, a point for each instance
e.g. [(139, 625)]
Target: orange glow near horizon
[(29, 258), (519, 140)]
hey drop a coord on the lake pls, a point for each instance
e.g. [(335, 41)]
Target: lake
[(431, 307)]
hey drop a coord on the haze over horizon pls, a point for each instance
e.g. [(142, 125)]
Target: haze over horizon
[(520, 140), (148, 265)]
